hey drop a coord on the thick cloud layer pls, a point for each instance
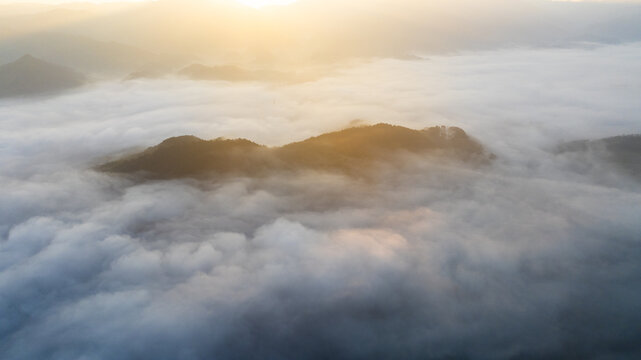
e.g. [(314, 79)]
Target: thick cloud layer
[(525, 259)]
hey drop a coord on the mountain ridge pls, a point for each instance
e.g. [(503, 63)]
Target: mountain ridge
[(623, 152), (350, 151)]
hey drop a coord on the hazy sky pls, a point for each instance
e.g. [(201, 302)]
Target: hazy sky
[(249, 2)]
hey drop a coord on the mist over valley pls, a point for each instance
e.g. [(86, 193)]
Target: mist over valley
[(410, 180)]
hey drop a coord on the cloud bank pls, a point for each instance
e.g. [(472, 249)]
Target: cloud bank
[(527, 259)]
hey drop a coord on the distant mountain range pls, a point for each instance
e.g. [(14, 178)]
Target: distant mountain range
[(622, 152), (237, 74), (29, 76), (92, 37), (320, 31), (351, 151), (80, 53)]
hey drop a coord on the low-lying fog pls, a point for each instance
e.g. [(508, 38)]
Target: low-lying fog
[(526, 258)]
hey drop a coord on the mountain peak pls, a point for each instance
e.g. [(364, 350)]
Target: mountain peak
[(181, 140), (32, 76), (29, 59)]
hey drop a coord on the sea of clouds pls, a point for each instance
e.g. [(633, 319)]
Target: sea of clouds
[(526, 258)]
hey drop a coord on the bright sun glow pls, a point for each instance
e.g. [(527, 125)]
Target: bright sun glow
[(262, 3)]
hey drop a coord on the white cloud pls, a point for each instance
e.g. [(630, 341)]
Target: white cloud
[(522, 258)]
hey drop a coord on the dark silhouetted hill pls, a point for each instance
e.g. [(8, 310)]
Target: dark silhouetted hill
[(623, 152), (186, 156), (30, 76), (349, 151)]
